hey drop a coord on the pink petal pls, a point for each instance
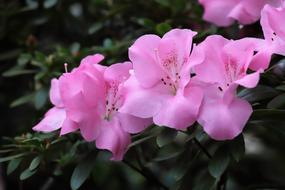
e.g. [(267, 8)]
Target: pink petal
[(68, 127), (249, 80), (92, 59), (143, 56), (142, 102), (217, 11), (224, 119), (180, 111), (132, 124), (52, 121), (114, 139), (261, 60), (240, 14), (118, 72), (54, 93), (212, 68)]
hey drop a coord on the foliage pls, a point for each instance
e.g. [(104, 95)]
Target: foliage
[(37, 37)]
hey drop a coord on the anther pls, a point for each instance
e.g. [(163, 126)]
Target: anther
[(65, 67), (220, 89)]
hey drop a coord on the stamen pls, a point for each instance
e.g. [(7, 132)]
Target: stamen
[(65, 67)]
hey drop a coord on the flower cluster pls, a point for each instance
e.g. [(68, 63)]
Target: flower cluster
[(169, 82), (224, 13)]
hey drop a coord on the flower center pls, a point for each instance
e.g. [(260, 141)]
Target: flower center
[(114, 100), (234, 71), (171, 68)]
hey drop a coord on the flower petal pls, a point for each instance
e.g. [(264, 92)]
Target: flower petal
[(224, 118), (68, 127), (142, 102), (52, 121), (132, 124), (143, 56), (54, 93), (249, 80), (118, 72), (217, 11), (114, 139), (180, 111)]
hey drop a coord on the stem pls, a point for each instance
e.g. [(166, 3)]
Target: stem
[(147, 174), (205, 151), (221, 185)]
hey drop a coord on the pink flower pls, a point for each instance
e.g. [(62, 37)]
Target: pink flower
[(56, 118), (93, 94), (225, 12), (224, 65), (160, 86), (274, 32)]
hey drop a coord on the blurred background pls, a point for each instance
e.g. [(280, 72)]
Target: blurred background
[(38, 36)]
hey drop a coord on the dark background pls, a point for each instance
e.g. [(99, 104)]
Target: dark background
[(37, 37)]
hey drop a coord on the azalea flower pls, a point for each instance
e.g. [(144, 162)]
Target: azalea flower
[(225, 12), (160, 85), (224, 66), (91, 95), (56, 118), (274, 34)]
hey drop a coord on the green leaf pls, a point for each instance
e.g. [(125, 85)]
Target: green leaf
[(166, 137), (75, 47), (162, 28), (277, 102), (165, 3), (15, 72), (108, 43), (49, 3), (95, 28), (41, 98), (82, 171), (22, 100), (269, 118), (35, 163), (219, 163), (24, 59), (237, 147), (267, 115), (13, 165), (27, 174), (8, 158), (281, 87), (142, 140), (258, 93)]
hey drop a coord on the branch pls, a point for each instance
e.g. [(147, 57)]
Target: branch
[(149, 176)]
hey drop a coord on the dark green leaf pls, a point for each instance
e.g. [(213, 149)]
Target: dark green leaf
[(95, 28), (27, 174), (41, 98), (166, 137), (162, 28), (237, 147), (22, 100), (16, 72), (82, 171), (219, 163), (8, 158), (24, 59), (142, 140), (277, 102), (13, 165), (258, 93), (35, 163)]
